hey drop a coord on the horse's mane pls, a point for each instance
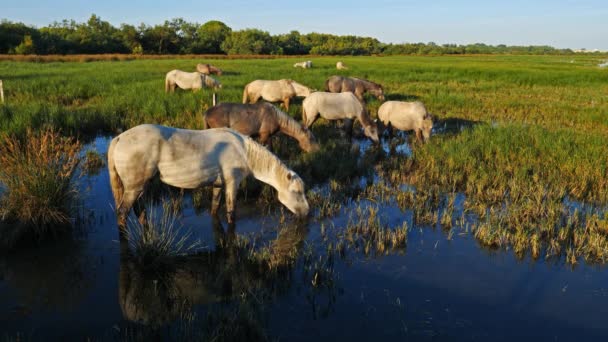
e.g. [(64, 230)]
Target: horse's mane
[(290, 125), (368, 81), (263, 162)]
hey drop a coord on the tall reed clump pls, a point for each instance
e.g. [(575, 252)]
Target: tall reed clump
[(37, 171), (159, 238)]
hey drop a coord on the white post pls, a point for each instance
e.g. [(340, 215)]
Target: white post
[(1, 92), (214, 96)]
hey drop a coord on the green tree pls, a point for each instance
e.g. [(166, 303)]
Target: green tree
[(291, 43), (26, 47), (248, 42), (12, 34), (211, 35)]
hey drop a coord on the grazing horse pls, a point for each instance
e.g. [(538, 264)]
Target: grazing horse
[(274, 91), (208, 69), (189, 80), (189, 159), (357, 86), (333, 106), (260, 119), (406, 116), (341, 66), (304, 65)]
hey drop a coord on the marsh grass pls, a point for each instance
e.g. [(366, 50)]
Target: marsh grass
[(38, 174), (365, 232), (516, 135), (161, 238)]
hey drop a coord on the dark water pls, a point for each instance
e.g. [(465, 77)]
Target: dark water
[(440, 287)]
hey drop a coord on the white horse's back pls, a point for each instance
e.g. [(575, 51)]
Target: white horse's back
[(189, 80), (184, 158), (333, 106), (402, 115), (271, 90)]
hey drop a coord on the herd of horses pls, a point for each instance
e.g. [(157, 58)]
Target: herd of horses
[(223, 154)]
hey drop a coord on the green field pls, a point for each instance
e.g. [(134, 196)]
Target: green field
[(533, 143)]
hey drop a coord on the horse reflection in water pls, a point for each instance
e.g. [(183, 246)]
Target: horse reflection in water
[(156, 298)]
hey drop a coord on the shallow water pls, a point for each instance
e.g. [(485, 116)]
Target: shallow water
[(439, 287)]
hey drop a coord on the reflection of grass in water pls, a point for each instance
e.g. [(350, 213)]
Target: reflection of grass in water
[(161, 237), (93, 162)]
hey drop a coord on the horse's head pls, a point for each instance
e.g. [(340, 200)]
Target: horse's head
[(292, 196), (427, 127), (377, 91), (301, 90), (309, 144), (212, 82), (371, 131), (202, 68)]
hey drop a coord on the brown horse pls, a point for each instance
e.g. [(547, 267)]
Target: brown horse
[(357, 86), (260, 119), (208, 69)]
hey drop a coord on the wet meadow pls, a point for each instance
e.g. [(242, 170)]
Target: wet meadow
[(496, 228)]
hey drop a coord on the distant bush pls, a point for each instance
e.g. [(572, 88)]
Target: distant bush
[(177, 36)]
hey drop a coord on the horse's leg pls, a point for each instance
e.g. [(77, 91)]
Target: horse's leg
[(390, 131), (348, 128), (231, 188), (266, 140), (359, 95), (128, 199), (286, 104), (140, 211), (419, 135), (216, 200)]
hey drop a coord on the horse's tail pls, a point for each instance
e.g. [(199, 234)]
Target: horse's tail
[(246, 94), (167, 83), (117, 186)]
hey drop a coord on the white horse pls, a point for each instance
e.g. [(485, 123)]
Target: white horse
[(190, 159), (305, 65), (274, 91), (341, 66), (336, 106), (189, 80), (407, 116)]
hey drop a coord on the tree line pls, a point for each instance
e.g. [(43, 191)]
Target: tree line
[(178, 36)]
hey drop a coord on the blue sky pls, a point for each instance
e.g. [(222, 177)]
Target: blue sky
[(559, 23)]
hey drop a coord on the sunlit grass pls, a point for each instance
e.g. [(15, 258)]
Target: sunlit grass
[(37, 172)]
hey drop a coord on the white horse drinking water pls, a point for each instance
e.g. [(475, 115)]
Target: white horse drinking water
[(407, 116), (189, 80), (336, 106), (190, 159)]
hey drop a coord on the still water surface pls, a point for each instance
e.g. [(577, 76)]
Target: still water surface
[(440, 287)]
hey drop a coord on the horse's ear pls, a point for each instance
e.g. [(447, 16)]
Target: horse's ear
[(289, 176)]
